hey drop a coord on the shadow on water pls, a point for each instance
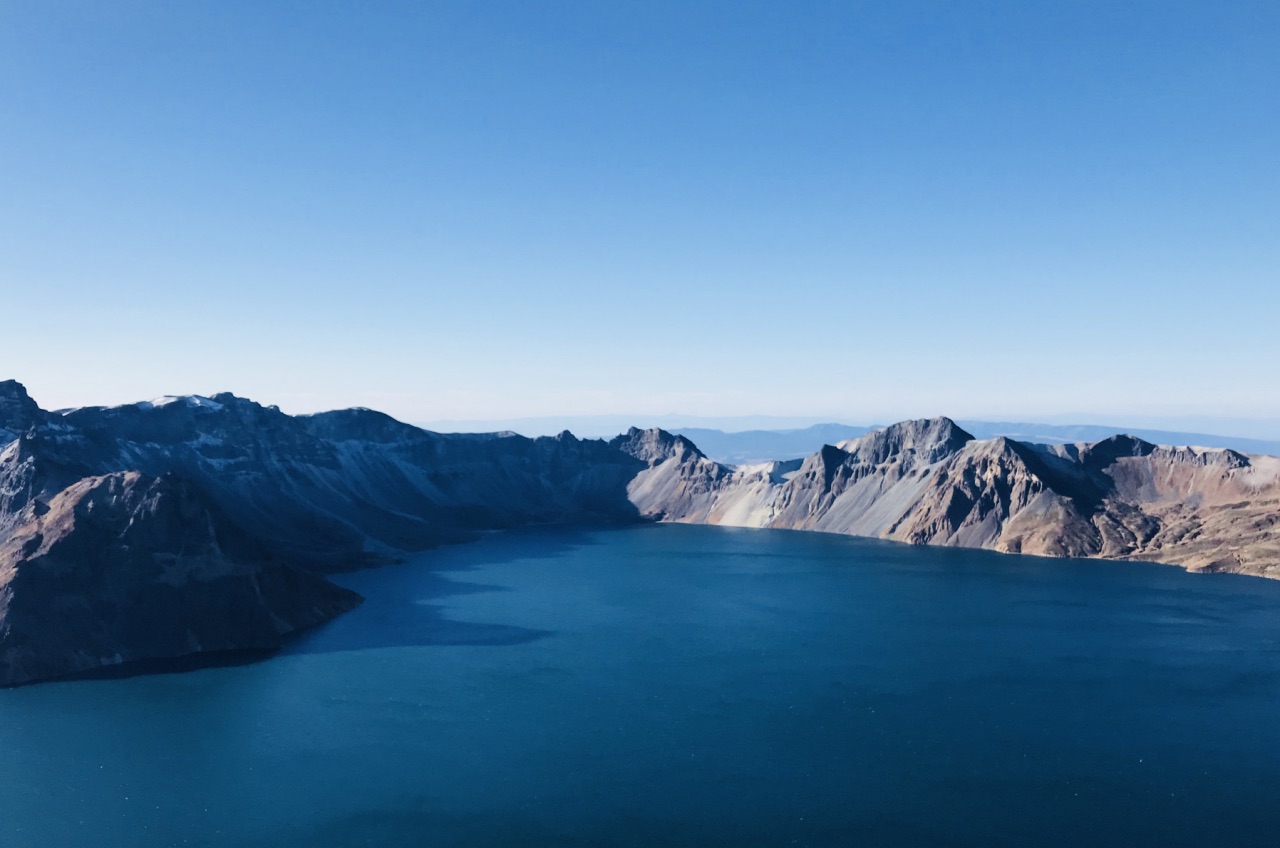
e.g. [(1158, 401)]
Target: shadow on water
[(422, 823), (404, 604), (401, 606), (423, 827), (171, 665)]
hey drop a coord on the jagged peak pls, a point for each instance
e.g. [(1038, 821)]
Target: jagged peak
[(654, 445), (1011, 453), (229, 399), (15, 390), (1226, 456), (17, 410), (1207, 457), (1116, 447), (13, 395), (927, 439)]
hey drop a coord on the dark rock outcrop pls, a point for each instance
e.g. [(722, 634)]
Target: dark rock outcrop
[(18, 412), (126, 568)]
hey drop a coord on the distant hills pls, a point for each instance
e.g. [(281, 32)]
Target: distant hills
[(1058, 434), (752, 446)]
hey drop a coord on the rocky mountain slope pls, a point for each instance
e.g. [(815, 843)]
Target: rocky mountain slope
[(199, 524), (241, 508), (124, 568), (339, 489), (930, 482)]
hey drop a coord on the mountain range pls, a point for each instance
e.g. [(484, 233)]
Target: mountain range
[(197, 525), (751, 446)]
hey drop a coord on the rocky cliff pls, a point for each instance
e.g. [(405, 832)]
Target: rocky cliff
[(930, 482), (124, 568), (346, 488), (205, 524)]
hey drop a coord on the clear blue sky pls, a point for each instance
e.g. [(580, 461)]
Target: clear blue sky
[(474, 210)]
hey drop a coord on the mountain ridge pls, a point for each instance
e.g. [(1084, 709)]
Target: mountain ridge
[(1214, 510), (755, 446), (302, 496)]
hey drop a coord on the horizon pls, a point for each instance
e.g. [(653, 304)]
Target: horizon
[(490, 211), (603, 426)]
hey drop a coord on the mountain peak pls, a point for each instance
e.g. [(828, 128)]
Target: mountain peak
[(17, 410), (654, 445), (927, 439), (1109, 450), (13, 387)]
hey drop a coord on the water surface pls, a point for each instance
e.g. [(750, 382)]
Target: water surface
[(677, 685)]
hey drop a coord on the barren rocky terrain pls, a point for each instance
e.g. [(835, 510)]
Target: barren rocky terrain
[(930, 482), (192, 525)]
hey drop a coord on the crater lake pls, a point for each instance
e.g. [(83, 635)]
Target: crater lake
[(680, 685)]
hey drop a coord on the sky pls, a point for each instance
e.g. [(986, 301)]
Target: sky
[(822, 211)]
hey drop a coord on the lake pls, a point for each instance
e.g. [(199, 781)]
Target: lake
[(674, 685)]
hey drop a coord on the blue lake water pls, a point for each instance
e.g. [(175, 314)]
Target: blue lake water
[(672, 685)]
